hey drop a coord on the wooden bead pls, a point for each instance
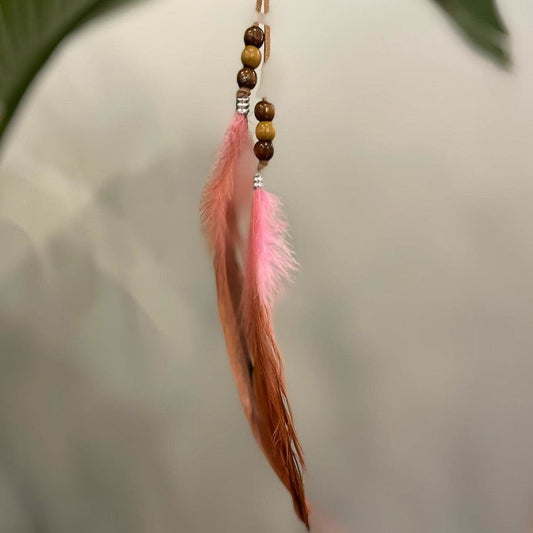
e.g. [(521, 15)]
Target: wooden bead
[(251, 57), (254, 36), (265, 131), (264, 110), (264, 150), (247, 77)]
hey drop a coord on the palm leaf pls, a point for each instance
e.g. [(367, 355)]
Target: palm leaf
[(30, 30), (481, 24)]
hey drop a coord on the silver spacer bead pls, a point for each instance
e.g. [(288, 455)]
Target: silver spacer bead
[(242, 105), (258, 181)]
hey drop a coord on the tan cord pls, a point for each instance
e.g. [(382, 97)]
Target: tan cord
[(259, 6), (263, 6)]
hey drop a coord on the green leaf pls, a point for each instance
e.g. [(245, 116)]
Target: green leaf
[(485, 11), (30, 30), (481, 23)]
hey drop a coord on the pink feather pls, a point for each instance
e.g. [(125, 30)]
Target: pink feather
[(270, 260)]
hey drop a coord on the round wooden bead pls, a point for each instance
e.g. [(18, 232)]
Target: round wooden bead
[(265, 131), (254, 36), (247, 77), (251, 56), (264, 150), (264, 110)]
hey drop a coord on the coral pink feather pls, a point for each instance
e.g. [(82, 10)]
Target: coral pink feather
[(218, 212), (218, 194)]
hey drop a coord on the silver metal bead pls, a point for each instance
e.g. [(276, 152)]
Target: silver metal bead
[(258, 181), (242, 105)]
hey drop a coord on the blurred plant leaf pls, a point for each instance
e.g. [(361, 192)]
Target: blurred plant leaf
[(481, 23), (29, 32)]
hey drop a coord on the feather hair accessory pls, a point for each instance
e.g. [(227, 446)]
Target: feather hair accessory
[(248, 278), (269, 264)]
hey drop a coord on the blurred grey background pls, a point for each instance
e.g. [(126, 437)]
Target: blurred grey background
[(406, 165)]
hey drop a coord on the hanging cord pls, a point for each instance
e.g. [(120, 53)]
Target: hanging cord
[(263, 6)]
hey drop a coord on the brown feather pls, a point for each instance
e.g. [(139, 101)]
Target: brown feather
[(272, 416)]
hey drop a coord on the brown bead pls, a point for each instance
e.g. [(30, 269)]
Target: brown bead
[(265, 131), (251, 57), (264, 150), (254, 36), (264, 110), (247, 78)]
